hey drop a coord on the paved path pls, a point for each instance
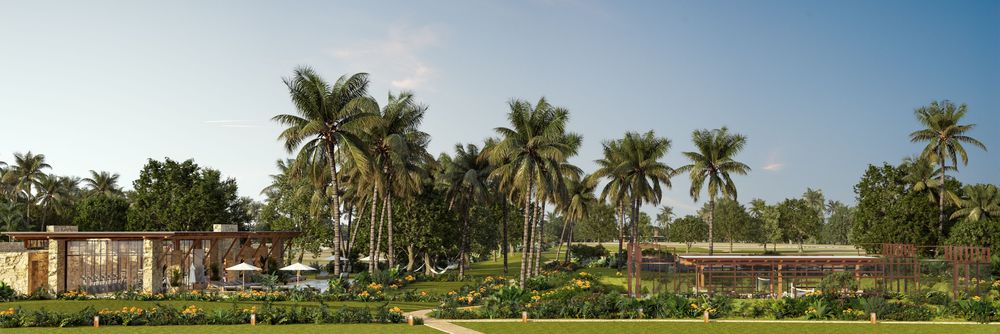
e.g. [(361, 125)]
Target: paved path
[(441, 325)]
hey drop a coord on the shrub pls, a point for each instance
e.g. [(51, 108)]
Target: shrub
[(7, 293), (978, 309), (587, 252), (838, 283)]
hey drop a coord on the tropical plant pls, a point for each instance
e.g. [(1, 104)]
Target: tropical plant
[(715, 163), (25, 174), (528, 154), (465, 180), (579, 201), (981, 201), (944, 136), (103, 183), (643, 177), (328, 118)]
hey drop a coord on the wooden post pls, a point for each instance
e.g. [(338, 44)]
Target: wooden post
[(706, 317), (409, 320), (97, 321), (874, 318), (524, 316), (253, 319)]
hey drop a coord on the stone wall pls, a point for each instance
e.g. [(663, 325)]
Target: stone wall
[(152, 275), (14, 270)]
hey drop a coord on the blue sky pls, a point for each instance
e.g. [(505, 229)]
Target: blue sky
[(821, 88)]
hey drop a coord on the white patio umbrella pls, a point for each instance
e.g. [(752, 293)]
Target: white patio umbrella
[(331, 258), (297, 268), (243, 267)]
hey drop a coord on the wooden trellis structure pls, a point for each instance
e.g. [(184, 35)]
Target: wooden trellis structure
[(963, 259), (740, 275)]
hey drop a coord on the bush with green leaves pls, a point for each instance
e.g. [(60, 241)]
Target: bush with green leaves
[(7, 293)]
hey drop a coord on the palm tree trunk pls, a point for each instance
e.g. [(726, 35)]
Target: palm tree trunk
[(378, 240), (505, 245), (562, 239), (409, 257), (463, 245), (527, 227), (427, 263), (711, 220), (569, 241), (391, 252), (540, 236), (532, 237), (371, 233), (335, 207), (350, 223), (941, 196), (621, 233)]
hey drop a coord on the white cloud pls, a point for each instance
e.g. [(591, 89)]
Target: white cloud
[(398, 55), (774, 167), (774, 163)]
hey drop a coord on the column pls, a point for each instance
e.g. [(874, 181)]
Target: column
[(57, 266), (152, 275)]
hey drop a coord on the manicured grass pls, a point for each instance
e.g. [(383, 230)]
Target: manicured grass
[(234, 329), (720, 328), (67, 306)]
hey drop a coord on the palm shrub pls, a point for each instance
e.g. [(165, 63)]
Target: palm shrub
[(507, 302)]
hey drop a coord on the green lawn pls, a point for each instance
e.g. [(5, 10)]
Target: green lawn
[(235, 329), (66, 306), (720, 328)]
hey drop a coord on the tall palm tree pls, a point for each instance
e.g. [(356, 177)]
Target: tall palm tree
[(816, 200), (614, 191), (465, 178), (26, 174), (327, 119), (399, 150), (664, 217), (643, 178), (944, 136), (714, 162), (578, 203), (54, 194), (982, 201), (103, 182), (533, 144)]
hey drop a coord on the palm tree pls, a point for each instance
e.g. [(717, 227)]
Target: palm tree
[(327, 120), (103, 182), (982, 201), (578, 202), (944, 136), (25, 174), (530, 149), (614, 191), (816, 200), (643, 178), (465, 178), (664, 217), (54, 195), (921, 177), (10, 217), (399, 150), (714, 162)]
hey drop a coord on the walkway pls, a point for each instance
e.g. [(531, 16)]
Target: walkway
[(441, 325)]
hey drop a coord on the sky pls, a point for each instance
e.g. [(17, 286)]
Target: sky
[(820, 88)]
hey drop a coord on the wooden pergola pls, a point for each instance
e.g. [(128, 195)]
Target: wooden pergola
[(741, 273)]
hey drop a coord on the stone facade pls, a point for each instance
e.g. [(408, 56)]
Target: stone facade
[(152, 275), (14, 270), (57, 266)]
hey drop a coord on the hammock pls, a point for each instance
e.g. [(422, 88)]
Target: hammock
[(450, 266)]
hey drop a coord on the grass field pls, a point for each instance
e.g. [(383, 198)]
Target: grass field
[(236, 329), (721, 328), (66, 306)]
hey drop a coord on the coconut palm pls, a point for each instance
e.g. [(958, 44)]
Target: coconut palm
[(54, 195), (921, 176), (535, 140), (327, 119), (982, 201), (399, 150), (664, 217), (579, 201), (642, 177), (26, 174), (944, 136), (715, 163), (465, 179), (816, 200), (103, 183)]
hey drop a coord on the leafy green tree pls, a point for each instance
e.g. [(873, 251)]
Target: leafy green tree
[(985, 233), (799, 220), (715, 163), (769, 216), (731, 220), (888, 213), (102, 213), (599, 225), (838, 226), (578, 202), (944, 136), (328, 118), (181, 196), (689, 229), (663, 218)]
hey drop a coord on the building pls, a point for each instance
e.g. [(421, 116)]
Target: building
[(64, 259)]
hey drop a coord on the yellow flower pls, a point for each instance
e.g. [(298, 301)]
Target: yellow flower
[(452, 293), (409, 278), (423, 293), (395, 310), (976, 298), (583, 274)]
